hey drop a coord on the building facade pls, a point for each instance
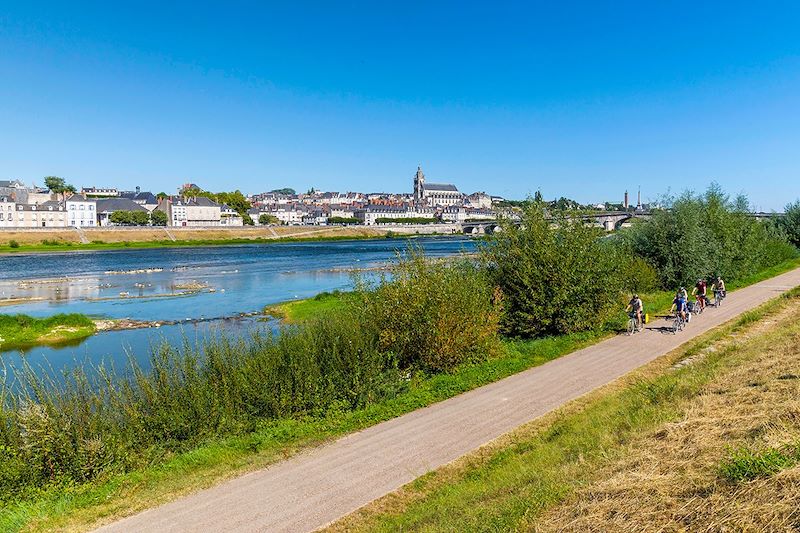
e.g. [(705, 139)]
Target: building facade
[(81, 212), (8, 212)]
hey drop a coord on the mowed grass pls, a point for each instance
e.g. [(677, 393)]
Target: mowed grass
[(19, 331), (86, 506), (529, 479)]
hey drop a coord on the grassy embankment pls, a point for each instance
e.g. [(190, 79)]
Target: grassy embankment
[(707, 437), (216, 459), (220, 459), (23, 331)]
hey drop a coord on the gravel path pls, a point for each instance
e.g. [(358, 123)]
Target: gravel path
[(317, 487)]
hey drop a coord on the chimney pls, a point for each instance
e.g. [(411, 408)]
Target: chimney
[(625, 202), (639, 199)]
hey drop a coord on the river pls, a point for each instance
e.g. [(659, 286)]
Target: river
[(183, 284)]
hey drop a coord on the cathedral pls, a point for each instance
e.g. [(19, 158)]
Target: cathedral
[(435, 194)]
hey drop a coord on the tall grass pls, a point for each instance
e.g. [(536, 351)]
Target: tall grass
[(85, 425)]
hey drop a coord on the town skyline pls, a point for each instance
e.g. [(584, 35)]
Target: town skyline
[(353, 96)]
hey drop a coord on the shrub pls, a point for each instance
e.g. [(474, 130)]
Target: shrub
[(431, 314), (700, 236), (13, 244), (556, 276), (789, 223), (76, 428)]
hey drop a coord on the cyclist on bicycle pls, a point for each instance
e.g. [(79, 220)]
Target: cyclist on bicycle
[(699, 292), (679, 303), (719, 286), (635, 307)]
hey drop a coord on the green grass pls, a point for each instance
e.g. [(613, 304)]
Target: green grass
[(295, 311), (20, 331), (221, 458), (746, 464), (508, 487)]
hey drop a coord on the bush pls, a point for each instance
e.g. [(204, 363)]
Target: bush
[(556, 276), (13, 244), (702, 236), (789, 223), (432, 314)]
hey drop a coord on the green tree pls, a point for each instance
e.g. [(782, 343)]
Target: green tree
[(58, 185), (554, 276), (140, 218), (159, 218), (698, 236), (265, 219), (123, 218), (789, 223), (538, 196)]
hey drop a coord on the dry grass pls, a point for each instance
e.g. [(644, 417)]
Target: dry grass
[(151, 234), (659, 477), (36, 237), (669, 479)]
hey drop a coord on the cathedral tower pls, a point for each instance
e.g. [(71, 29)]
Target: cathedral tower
[(419, 185)]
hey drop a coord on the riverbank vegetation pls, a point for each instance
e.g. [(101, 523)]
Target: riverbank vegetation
[(706, 437), (21, 331), (536, 291), (297, 311)]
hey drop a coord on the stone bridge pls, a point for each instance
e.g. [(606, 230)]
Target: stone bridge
[(608, 220)]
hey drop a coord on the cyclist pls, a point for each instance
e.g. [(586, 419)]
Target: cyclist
[(683, 293), (679, 303), (718, 288), (635, 306), (699, 292)]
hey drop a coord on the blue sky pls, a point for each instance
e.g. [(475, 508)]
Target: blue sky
[(573, 98)]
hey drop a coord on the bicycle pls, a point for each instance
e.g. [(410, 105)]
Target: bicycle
[(718, 297), (633, 324), (678, 323)]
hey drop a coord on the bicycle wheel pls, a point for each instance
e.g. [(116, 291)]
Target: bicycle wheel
[(631, 326), (676, 324)]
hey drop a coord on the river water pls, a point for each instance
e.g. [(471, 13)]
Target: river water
[(183, 284)]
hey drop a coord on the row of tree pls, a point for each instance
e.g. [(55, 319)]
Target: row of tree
[(139, 218), (562, 275)]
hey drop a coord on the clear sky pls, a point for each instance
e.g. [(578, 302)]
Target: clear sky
[(576, 98)]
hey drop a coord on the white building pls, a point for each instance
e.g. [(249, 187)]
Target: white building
[(287, 214), (99, 192), (8, 212), (479, 200), (229, 217), (81, 212), (196, 212), (379, 214)]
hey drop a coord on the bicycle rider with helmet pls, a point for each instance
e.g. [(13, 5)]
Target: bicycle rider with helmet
[(718, 288), (699, 292), (635, 307), (679, 303)]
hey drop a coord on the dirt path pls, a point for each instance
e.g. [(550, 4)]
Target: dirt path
[(324, 484)]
